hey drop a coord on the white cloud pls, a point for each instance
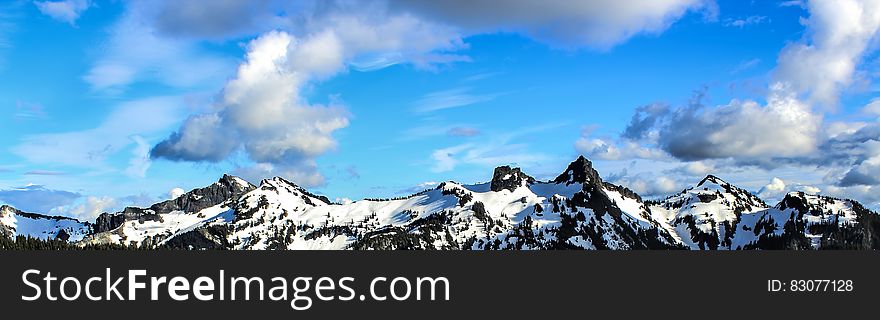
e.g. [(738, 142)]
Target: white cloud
[(839, 33), (623, 149), (792, 3), (744, 130), (746, 65), (175, 193), (446, 159), (135, 52), (746, 21), (140, 158), (65, 11), (488, 153), (773, 190), (262, 110), (698, 168), (867, 171), (873, 107), (811, 189), (452, 98), (650, 186), (92, 207), (867, 195)]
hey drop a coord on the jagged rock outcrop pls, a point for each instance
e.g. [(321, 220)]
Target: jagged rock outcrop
[(228, 187), (507, 178), (580, 171)]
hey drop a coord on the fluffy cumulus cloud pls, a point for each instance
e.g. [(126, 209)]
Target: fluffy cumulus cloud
[(65, 11), (788, 129), (649, 186), (175, 193), (773, 190), (746, 130), (867, 170), (92, 207), (838, 34), (783, 127), (262, 112)]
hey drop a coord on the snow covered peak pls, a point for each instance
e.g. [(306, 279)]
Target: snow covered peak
[(280, 186), (14, 222), (507, 178), (803, 202), (579, 171), (712, 179), (235, 181), (226, 189), (278, 182)]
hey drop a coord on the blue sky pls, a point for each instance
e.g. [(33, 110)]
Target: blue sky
[(115, 103)]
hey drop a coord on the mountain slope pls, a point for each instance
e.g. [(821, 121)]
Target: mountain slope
[(14, 222), (706, 216), (513, 211), (576, 210)]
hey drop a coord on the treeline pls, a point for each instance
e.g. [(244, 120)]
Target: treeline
[(31, 243)]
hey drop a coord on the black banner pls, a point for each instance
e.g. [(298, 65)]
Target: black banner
[(493, 285)]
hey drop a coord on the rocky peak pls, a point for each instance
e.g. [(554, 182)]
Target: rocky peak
[(6, 209), (228, 187), (276, 183), (507, 178), (712, 179), (579, 171)]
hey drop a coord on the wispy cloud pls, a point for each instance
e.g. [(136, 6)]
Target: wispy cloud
[(746, 21), (9, 14), (28, 110), (65, 11), (463, 132), (746, 65), (136, 52), (492, 151), (792, 3), (89, 148), (453, 98), (37, 198), (45, 173)]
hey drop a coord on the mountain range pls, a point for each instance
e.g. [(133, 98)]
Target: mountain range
[(576, 210)]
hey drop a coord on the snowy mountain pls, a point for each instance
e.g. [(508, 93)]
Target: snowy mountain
[(14, 222), (576, 210), (706, 215)]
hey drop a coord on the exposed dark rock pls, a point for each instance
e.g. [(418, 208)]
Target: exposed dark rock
[(579, 171), (62, 235), (106, 222), (707, 197), (795, 201), (507, 178), (212, 237), (227, 188)]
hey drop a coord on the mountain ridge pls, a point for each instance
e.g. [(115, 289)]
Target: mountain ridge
[(575, 210)]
